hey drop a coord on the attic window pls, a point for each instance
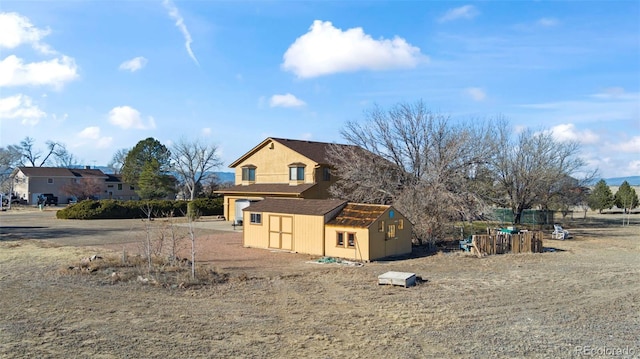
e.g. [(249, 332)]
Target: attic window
[(296, 172), (50, 180)]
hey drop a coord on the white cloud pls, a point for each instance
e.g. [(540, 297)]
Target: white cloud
[(127, 117), (476, 93), (16, 30), (134, 64), (630, 146), (104, 142), (325, 50), (547, 22), (175, 14), (462, 12), (55, 72), (20, 107), (92, 133), (206, 131), (568, 132), (286, 100)]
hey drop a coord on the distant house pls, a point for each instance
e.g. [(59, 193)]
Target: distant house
[(31, 182), (279, 167), (327, 228)]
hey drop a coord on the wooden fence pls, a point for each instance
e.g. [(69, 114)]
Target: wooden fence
[(500, 243)]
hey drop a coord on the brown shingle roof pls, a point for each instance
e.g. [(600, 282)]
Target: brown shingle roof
[(358, 215), (61, 172), (315, 151), (268, 189), (88, 173), (315, 207), (46, 172)]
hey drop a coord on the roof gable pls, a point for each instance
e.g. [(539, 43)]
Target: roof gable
[(315, 151)]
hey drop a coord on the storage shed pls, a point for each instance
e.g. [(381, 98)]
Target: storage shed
[(327, 228)]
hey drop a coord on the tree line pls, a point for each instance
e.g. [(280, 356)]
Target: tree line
[(439, 172)]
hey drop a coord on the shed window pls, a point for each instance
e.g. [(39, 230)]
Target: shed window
[(391, 231), (351, 239), (345, 239), (249, 173), (119, 186), (256, 218), (340, 239), (50, 180), (381, 226), (401, 224)]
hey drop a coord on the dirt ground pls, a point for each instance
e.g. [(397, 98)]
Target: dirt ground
[(581, 298)]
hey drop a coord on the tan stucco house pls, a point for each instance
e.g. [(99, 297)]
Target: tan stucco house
[(327, 227), (30, 182), (279, 167)]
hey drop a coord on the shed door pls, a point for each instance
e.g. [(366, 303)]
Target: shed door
[(281, 232)]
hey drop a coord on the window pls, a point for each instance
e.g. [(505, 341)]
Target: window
[(119, 186), (131, 188), (326, 174), (256, 218), (351, 240), (296, 173), (344, 239), (391, 231), (381, 226), (249, 173), (109, 186), (50, 180), (340, 239), (401, 224)]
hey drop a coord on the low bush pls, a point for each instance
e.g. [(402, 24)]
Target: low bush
[(116, 209)]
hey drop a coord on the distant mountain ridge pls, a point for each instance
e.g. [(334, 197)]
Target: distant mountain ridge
[(617, 181)]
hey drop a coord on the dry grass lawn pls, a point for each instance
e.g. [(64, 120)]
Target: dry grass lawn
[(581, 300)]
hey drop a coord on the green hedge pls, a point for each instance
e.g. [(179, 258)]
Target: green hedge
[(115, 209)]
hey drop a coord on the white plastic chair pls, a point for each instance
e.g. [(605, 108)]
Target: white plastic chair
[(559, 233)]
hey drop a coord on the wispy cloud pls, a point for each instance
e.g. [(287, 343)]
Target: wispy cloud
[(133, 65), (127, 117), (476, 93), (175, 15), (21, 107), (286, 100), (547, 22), (326, 49), (462, 12)]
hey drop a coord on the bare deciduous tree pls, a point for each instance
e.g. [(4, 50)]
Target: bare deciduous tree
[(118, 159), (193, 161), (530, 169), (420, 161), (35, 158)]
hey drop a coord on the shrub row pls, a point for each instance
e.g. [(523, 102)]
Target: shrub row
[(116, 209)]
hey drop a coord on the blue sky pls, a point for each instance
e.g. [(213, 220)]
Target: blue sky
[(101, 75)]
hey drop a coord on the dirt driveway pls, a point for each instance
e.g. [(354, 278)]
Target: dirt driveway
[(580, 300)]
